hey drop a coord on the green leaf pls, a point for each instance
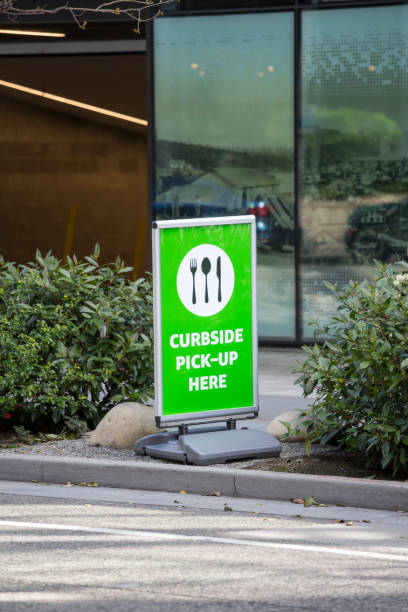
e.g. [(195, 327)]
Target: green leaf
[(309, 501), (364, 365), (329, 435)]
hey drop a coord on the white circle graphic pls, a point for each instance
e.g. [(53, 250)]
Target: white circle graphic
[(205, 280)]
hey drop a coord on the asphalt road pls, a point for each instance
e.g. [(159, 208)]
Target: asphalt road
[(75, 548)]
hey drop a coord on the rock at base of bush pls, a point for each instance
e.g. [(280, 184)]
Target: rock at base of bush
[(123, 425), (277, 429)]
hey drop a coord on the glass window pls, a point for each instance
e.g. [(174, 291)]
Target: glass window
[(224, 137), (354, 205)]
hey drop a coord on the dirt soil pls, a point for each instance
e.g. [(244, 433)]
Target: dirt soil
[(327, 461), (7, 440)]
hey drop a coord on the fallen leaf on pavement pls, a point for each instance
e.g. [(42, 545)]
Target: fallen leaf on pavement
[(227, 508), (309, 501), (298, 501), (298, 516), (365, 521), (89, 505), (213, 494), (69, 484), (349, 524), (182, 492), (339, 521)]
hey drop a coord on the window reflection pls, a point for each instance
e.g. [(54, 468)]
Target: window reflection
[(224, 138), (354, 205)]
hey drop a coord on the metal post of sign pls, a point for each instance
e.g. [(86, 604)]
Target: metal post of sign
[(206, 341)]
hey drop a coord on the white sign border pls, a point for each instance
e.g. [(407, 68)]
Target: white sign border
[(208, 415)]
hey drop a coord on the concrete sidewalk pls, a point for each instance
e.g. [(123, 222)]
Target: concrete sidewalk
[(277, 390)]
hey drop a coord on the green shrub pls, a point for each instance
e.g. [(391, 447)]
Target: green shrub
[(359, 373), (75, 339)]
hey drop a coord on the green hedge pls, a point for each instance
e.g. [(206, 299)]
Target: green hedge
[(75, 339), (360, 373)]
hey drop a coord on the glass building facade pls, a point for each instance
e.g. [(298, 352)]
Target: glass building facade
[(295, 114)]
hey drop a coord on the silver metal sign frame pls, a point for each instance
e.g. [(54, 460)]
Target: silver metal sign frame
[(210, 415)]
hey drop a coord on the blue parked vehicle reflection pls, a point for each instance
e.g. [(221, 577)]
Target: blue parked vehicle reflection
[(274, 222)]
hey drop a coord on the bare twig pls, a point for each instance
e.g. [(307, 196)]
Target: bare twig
[(139, 11)]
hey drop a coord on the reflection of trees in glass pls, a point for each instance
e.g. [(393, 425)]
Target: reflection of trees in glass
[(355, 131), (339, 180), (347, 153), (206, 158)]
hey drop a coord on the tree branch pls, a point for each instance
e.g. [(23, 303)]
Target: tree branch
[(140, 11)]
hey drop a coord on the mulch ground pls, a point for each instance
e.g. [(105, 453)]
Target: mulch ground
[(330, 462)]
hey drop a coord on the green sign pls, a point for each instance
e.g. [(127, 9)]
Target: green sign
[(205, 318)]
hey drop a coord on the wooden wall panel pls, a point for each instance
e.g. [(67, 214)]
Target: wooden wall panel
[(55, 169)]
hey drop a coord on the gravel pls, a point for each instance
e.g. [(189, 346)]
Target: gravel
[(81, 448)]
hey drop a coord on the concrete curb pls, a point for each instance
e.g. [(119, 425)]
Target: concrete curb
[(332, 490)]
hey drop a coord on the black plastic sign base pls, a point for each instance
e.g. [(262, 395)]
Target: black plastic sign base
[(210, 446)]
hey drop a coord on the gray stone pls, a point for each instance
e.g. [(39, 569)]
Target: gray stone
[(123, 425), (277, 429)]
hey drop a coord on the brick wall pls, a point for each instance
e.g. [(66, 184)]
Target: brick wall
[(67, 183)]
